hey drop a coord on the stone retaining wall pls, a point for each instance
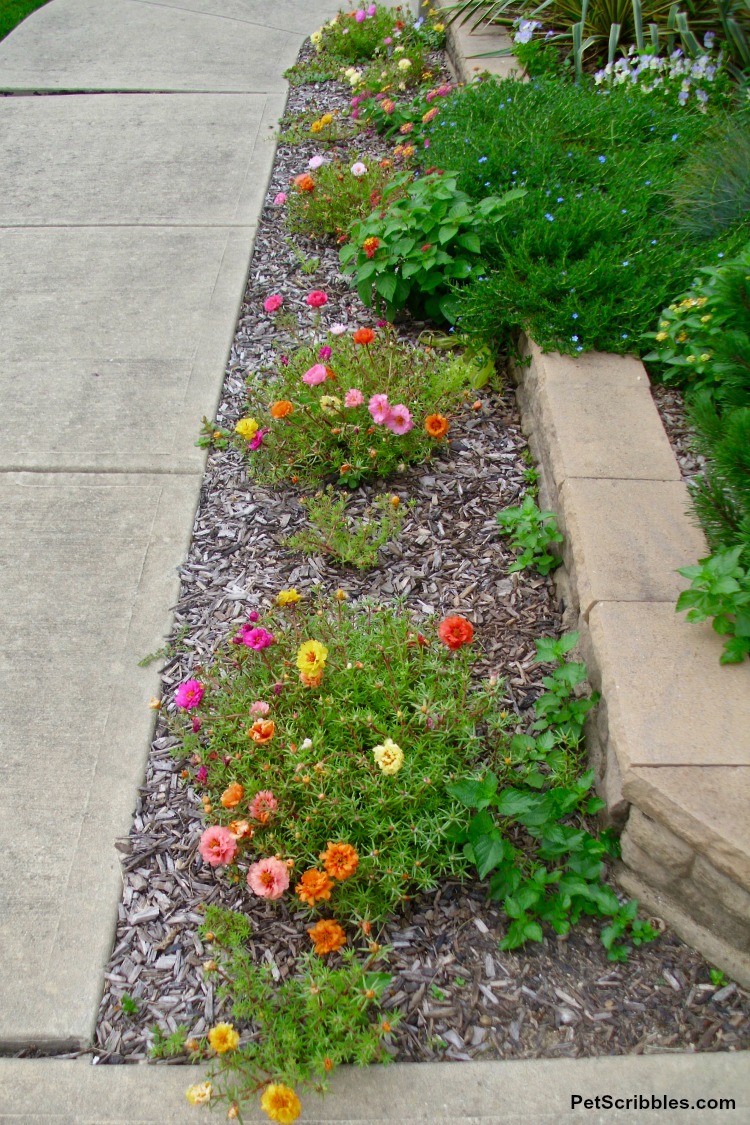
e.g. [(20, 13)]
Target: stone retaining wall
[(670, 739)]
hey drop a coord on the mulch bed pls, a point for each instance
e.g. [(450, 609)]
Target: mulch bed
[(461, 996)]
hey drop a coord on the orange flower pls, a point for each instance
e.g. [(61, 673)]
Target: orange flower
[(262, 731), (327, 936), (314, 885), (370, 245), (455, 631), (436, 425), (281, 408), (232, 795), (340, 860), (304, 182), (241, 830), (313, 680), (363, 336)]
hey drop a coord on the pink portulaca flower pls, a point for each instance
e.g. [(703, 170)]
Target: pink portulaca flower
[(189, 695), (268, 878), (196, 724), (360, 16), (359, 169), (337, 329), (315, 375), (259, 707), (217, 846), (280, 199), (379, 408), (315, 162), (255, 637), (201, 775), (272, 303), (257, 439), (263, 805), (371, 9), (399, 420), (325, 353), (353, 397), (316, 299)]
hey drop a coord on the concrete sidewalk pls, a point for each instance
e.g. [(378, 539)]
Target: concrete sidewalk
[(126, 228)]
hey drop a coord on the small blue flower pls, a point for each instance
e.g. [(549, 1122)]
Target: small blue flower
[(487, 184), (574, 339), (624, 335), (719, 255), (514, 172), (482, 160), (675, 136), (579, 348), (579, 195), (623, 210), (602, 159), (653, 242), (560, 199), (648, 183), (549, 218), (574, 315), (570, 154), (626, 262)]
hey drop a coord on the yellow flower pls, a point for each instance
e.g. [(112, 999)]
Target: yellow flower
[(315, 127), (288, 597), (316, 37), (247, 428), (329, 404), (705, 357), (661, 336), (311, 657), (200, 1094), (154, 703), (664, 324), (281, 1104), (404, 64), (341, 595), (439, 27), (706, 319), (223, 1038), (389, 756), (326, 119), (689, 359)]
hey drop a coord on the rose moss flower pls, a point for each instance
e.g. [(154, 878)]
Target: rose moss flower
[(189, 695), (455, 631), (314, 886), (268, 878), (327, 936), (217, 846)]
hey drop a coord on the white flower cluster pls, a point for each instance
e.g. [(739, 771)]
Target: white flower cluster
[(650, 72), (526, 29)]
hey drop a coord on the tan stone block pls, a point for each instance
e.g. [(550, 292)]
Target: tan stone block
[(625, 539), (598, 416), (657, 841), (465, 45), (715, 885), (643, 864), (669, 701), (707, 807), (710, 942)]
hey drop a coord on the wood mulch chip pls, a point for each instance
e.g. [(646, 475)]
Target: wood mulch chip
[(461, 997)]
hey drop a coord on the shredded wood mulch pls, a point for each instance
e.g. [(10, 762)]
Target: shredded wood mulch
[(461, 997)]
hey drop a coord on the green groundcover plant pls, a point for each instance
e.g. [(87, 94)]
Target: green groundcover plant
[(532, 533), (588, 256), (325, 727), (355, 408), (334, 196), (342, 538)]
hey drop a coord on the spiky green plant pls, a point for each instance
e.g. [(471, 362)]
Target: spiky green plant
[(713, 192)]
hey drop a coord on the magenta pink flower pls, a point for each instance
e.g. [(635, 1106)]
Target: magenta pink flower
[(316, 299), (371, 9), (253, 615), (201, 775), (280, 199), (263, 805), (325, 352), (257, 439), (381, 323), (255, 637), (443, 91), (360, 16), (189, 695), (315, 375), (272, 303), (259, 707), (353, 397), (217, 846), (268, 878), (399, 420), (196, 724), (379, 408)]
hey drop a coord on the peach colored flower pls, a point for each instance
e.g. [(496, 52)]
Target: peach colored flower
[(217, 846), (232, 795), (436, 425), (268, 878), (200, 1093), (455, 631), (311, 680), (282, 408), (281, 1104), (314, 886), (262, 731), (327, 936), (259, 707), (354, 397), (263, 805), (241, 830), (340, 860)]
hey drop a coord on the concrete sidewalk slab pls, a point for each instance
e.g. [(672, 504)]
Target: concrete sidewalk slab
[(112, 343), (93, 560), (129, 45), (173, 159), (526, 1092), (284, 15)]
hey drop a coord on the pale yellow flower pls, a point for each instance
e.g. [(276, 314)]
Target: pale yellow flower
[(404, 64), (200, 1094), (389, 756), (288, 597), (223, 1038), (329, 404), (247, 428)]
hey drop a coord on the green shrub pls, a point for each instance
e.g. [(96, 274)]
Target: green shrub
[(343, 539), (406, 254), (532, 533), (720, 590), (587, 258), (318, 436)]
